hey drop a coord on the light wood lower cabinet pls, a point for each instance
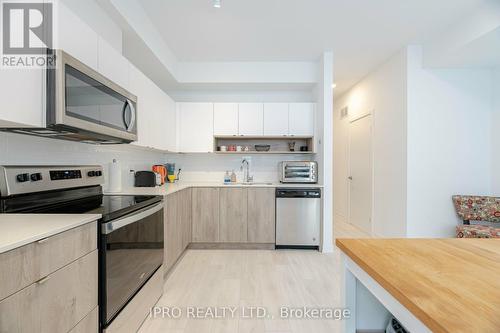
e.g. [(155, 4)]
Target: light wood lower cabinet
[(55, 303), (23, 266), (217, 215), (205, 216), (185, 216), (233, 215), (88, 324), (170, 229), (178, 225), (261, 215)]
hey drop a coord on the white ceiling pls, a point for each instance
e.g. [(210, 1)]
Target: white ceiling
[(362, 33)]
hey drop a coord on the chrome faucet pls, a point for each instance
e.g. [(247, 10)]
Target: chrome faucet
[(245, 167)]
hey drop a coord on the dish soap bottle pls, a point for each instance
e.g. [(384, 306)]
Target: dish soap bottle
[(233, 177), (227, 178)]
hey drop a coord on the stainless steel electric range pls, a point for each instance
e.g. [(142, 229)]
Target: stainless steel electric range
[(131, 227)]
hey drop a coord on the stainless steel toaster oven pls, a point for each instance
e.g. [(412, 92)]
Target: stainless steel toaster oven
[(305, 172)]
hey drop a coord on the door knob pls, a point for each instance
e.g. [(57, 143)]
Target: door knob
[(350, 177)]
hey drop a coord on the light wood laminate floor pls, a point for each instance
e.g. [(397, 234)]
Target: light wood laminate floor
[(246, 278)]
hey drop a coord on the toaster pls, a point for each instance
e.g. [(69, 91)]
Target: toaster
[(145, 179)]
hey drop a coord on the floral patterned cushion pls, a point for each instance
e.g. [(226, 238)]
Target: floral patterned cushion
[(477, 208), (477, 231)]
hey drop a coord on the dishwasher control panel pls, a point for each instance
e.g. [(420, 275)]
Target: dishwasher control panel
[(298, 193)]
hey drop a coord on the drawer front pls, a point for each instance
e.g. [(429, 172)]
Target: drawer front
[(25, 265), (56, 303), (89, 324)]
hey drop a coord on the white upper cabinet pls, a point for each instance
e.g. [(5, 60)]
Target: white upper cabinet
[(23, 98), (75, 37), (225, 119), (169, 124), (196, 127), (275, 119), (156, 126), (139, 85), (251, 119), (26, 107), (112, 64), (301, 119)]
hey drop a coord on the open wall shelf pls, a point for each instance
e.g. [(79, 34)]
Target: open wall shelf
[(263, 152), (279, 145)]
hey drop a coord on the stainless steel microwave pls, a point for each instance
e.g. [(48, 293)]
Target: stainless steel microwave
[(83, 105), (298, 172), (82, 101)]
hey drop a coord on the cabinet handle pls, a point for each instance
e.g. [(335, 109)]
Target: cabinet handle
[(44, 240), (42, 281)]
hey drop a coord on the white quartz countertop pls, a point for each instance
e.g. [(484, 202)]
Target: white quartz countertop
[(172, 188), (17, 230)]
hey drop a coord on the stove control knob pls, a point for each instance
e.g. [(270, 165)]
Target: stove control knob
[(23, 177), (36, 177), (91, 173), (98, 173)]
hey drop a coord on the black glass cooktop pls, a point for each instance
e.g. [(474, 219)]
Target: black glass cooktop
[(114, 206), (77, 201)]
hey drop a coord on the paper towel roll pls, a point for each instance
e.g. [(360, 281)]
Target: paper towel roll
[(115, 176)]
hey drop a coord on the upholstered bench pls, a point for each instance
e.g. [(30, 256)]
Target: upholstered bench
[(484, 211)]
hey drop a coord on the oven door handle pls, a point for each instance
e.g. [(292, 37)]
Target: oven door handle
[(137, 216)]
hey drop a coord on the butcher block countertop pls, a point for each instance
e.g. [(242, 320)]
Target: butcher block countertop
[(450, 285)]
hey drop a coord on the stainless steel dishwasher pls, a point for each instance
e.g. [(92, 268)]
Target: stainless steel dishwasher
[(298, 217)]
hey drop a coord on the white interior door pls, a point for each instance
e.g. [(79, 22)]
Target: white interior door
[(360, 179)]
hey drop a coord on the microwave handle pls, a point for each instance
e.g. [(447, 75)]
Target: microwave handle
[(139, 215), (130, 125)]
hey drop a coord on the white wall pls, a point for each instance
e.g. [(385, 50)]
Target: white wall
[(471, 42), (449, 117), (242, 95), (16, 149), (495, 138), (382, 93), (324, 144), (247, 72)]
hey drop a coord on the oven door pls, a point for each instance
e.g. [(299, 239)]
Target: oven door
[(80, 98), (131, 251)]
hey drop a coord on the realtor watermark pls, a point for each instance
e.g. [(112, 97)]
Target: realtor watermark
[(210, 312), (250, 312), (27, 34), (315, 313)]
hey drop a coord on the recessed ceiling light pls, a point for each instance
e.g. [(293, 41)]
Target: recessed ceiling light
[(217, 3), (334, 85)]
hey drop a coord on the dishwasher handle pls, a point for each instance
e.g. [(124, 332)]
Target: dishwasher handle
[(298, 193)]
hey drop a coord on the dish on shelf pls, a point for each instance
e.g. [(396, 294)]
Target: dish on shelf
[(262, 147)]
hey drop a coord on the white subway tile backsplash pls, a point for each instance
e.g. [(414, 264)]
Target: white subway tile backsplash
[(30, 150)]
